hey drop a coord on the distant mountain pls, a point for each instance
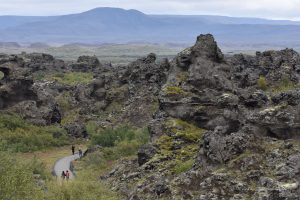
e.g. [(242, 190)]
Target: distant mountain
[(114, 25)]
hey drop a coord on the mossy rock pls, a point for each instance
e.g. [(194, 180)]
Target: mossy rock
[(72, 78), (182, 166), (173, 91), (185, 130)]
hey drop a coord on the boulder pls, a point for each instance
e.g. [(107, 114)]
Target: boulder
[(145, 153)]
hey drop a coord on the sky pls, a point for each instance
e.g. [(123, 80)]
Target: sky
[(271, 9)]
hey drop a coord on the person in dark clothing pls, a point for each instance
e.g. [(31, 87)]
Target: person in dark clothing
[(73, 149), (80, 153), (63, 175)]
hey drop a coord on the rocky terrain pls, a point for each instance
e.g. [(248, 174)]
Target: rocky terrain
[(222, 127)]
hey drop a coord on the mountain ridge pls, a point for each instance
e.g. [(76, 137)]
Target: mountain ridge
[(116, 25)]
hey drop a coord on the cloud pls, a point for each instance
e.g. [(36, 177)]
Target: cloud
[(275, 9)]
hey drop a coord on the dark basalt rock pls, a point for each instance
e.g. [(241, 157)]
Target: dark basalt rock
[(214, 133), (76, 130), (145, 153), (207, 47)]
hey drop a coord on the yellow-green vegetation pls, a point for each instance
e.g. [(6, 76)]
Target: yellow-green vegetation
[(64, 101), (113, 137), (183, 166), (39, 75), (185, 130), (165, 142), (48, 156), (20, 136), (182, 76), (262, 83), (85, 188), (285, 85), (1, 75), (16, 179), (173, 90), (69, 117), (72, 78)]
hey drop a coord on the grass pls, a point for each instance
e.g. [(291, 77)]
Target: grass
[(16, 179), (173, 90), (20, 136), (48, 157), (183, 166), (72, 78), (111, 137), (185, 130), (262, 83), (285, 85)]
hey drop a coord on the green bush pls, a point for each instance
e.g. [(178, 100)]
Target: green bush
[(262, 83), (16, 180), (109, 137), (120, 142), (20, 136)]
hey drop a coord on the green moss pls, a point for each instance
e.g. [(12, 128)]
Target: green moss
[(72, 78), (173, 90), (185, 130), (165, 143), (187, 151), (182, 166), (182, 77), (262, 83)]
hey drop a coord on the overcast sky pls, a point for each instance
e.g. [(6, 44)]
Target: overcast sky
[(273, 9)]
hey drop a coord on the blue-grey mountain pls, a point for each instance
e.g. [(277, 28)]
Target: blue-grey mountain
[(114, 25)]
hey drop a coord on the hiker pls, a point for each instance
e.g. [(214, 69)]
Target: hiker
[(68, 175), (63, 175), (73, 149), (80, 153)]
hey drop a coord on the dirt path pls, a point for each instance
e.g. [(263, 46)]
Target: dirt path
[(64, 164)]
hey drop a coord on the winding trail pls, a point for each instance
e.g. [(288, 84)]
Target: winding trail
[(64, 164)]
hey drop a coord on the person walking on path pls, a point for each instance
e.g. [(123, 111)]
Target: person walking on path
[(68, 175), (80, 153), (63, 175), (73, 149)]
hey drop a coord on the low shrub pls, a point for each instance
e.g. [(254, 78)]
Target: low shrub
[(109, 137), (20, 136), (183, 166), (262, 83), (16, 180)]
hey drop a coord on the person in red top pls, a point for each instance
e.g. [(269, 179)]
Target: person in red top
[(67, 174)]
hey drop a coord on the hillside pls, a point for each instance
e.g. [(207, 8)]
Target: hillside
[(113, 25), (200, 126)]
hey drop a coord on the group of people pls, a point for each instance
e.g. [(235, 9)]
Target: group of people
[(79, 151), (65, 175)]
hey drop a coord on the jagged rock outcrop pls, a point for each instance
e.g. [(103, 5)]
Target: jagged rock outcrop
[(218, 131), (221, 127)]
